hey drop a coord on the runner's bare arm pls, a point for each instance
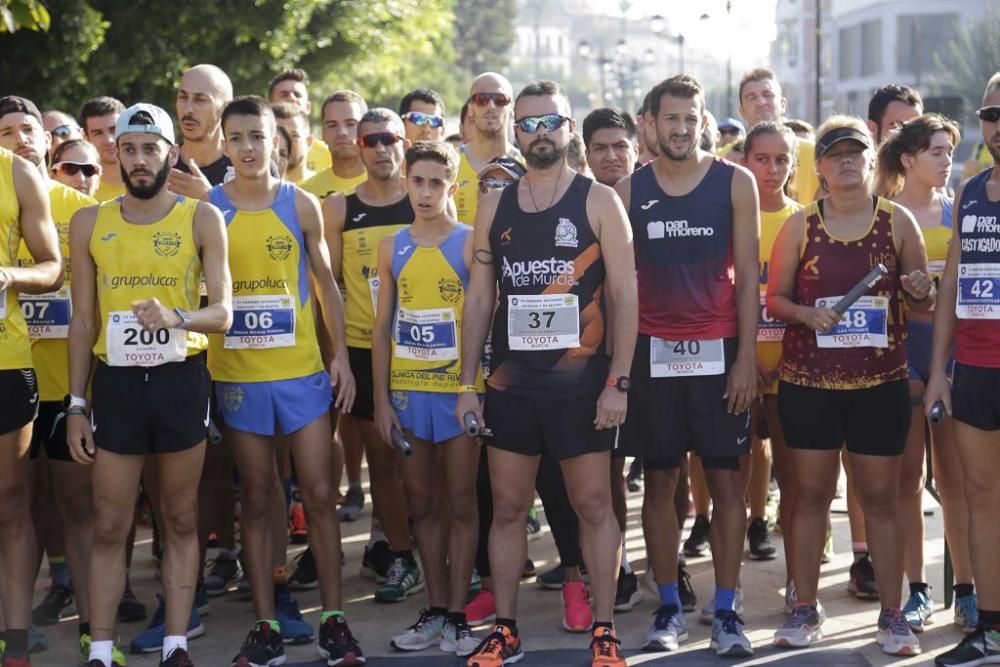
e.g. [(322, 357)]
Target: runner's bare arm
[(83, 329), (918, 288), (39, 234), (334, 215), (213, 248), (742, 381), (385, 416), (481, 292)]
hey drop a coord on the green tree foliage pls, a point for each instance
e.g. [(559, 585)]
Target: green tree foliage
[(135, 49), (484, 33), (973, 57), (18, 14)]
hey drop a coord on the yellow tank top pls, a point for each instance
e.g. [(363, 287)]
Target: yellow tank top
[(936, 240), (48, 315), (15, 350), (326, 183), (427, 324), (273, 336), (318, 158), (364, 228), (108, 191), (467, 195), (769, 329), (137, 262)]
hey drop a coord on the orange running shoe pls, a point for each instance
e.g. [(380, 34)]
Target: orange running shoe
[(606, 649), (298, 529), (499, 648)]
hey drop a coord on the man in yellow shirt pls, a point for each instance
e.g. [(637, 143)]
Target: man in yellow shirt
[(341, 112), (98, 117), (292, 86), (24, 214), (293, 120), (761, 99)]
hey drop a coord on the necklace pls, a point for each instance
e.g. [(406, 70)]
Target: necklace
[(551, 201)]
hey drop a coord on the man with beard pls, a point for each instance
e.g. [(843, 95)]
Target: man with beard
[(554, 243), (489, 117), (341, 112), (203, 92), (294, 121), (98, 117), (138, 264), (695, 218)]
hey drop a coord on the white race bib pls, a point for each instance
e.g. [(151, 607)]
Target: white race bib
[(978, 292), (543, 321), (261, 322), (47, 315), (426, 335), (684, 358), (863, 325), (769, 329), (128, 344)]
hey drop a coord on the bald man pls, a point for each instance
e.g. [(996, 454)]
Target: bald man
[(489, 115), (62, 127), (203, 92)]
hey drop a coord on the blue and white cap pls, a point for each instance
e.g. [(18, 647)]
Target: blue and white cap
[(147, 119)]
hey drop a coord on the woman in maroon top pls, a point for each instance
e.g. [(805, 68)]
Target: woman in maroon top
[(844, 379)]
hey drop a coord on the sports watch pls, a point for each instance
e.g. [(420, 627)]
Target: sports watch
[(621, 383)]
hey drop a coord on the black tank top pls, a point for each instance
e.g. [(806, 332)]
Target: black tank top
[(549, 328)]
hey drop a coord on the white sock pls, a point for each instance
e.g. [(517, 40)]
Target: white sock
[(102, 651), (624, 564), (173, 642)]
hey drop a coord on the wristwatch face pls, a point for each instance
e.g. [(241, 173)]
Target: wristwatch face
[(623, 384)]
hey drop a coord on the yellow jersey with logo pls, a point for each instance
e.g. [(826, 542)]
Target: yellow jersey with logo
[(15, 350), (48, 315), (427, 324), (318, 158), (770, 330), (364, 228), (467, 194), (326, 183), (137, 262), (108, 191), (273, 335)]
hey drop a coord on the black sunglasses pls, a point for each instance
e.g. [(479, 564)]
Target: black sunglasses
[(65, 131), (74, 168), (989, 114), (375, 138)]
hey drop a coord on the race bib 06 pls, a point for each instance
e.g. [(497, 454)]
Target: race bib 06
[(47, 315), (426, 335), (863, 325), (978, 292), (262, 322), (128, 344), (685, 358), (543, 322)]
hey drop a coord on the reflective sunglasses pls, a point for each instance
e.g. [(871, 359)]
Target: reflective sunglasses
[(989, 114), (375, 138), (74, 168), (421, 119), (482, 99), (65, 131), (490, 184), (550, 121)]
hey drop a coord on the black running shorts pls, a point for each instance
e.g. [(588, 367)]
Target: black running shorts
[(50, 433), (669, 416), (975, 396), (873, 421), (560, 426), (361, 366), (19, 398), (157, 410)]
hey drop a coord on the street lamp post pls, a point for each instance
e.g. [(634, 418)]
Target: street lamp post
[(658, 25), (729, 58)]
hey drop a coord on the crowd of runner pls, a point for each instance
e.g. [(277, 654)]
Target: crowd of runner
[(520, 308)]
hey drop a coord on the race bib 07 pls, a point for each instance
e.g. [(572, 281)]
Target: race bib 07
[(978, 292), (426, 335), (47, 315), (685, 358), (262, 322), (863, 325), (129, 344), (543, 321)]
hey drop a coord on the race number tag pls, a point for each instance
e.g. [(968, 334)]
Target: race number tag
[(978, 292), (261, 322), (769, 329), (373, 284), (685, 358), (128, 344), (47, 315), (863, 325), (935, 269), (426, 335), (543, 322)]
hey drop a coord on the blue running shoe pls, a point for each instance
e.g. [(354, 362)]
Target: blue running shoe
[(294, 630), (919, 611), (967, 613), (150, 640)]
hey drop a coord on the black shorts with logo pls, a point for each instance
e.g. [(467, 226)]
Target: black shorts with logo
[(975, 396), (50, 433), (361, 366), (669, 416), (19, 398), (156, 410), (559, 426)]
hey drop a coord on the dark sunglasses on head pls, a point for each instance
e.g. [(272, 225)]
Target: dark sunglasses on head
[(482, 99), (488, 184), (421, 119), (989, 114), (64, 131), (550, 121), (374, 139), (74, 168)]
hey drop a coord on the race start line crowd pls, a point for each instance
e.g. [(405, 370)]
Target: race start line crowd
[(255, 309)]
